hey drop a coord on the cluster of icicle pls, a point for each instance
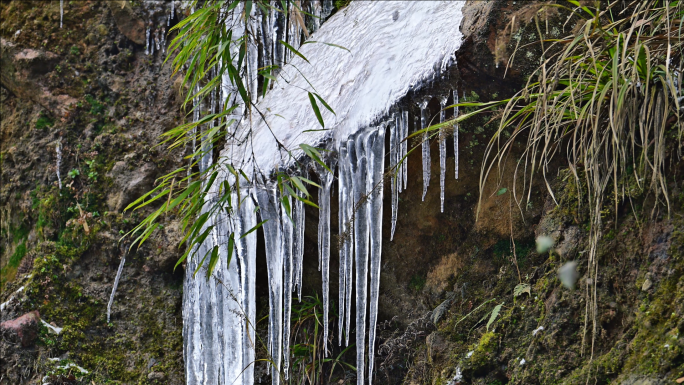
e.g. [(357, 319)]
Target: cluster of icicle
[(158, 20), (219, 313)]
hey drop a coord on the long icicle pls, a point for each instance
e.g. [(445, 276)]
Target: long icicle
[(425, 146), (246, 246), (298, 246), (442, 154), (324, 243), (286, 249), (377, 166), (361, 234), (395, 169), (269, 209), (456, 132), (404, 146), (342, 195), (349, 214)]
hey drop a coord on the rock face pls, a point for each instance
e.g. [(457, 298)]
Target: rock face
[(129, 183), (127, 21), (24, 328)]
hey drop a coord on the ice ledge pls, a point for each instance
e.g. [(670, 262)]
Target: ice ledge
[(391, 48)]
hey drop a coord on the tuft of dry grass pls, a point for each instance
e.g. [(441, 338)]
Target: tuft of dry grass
[(608, 97)]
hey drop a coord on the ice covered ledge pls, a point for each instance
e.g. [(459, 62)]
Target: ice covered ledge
[(390, 48)]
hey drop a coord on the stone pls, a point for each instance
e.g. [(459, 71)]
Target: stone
[(442, 309), (639, 380), (129, 185), (127, 21), (646, 285), (156, 376), (24, 327)]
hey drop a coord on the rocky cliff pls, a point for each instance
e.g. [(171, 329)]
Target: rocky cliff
[(82, 109)]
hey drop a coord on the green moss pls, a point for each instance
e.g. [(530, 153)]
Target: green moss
[(44, 122), (483, 351), (339, 4), (18, 255), (417, 282)]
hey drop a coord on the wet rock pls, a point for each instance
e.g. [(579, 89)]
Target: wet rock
[(36, 61), (127, 21), (442, 309), (129, 184), (568, 246), (156, 376), (24, 328), (647, 284), (638, 380)]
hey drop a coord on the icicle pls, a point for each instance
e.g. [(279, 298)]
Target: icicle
[(115, 286), (342, 195), (59, 163), (163, 40), (361, 184), (404, 146), (326, 9), (377, 166), (395, 168), (151, 44), (316, 12), (269, 208), (456, 131), (326, 178), (147, 41), (286, 249), (425, 146), (298, 247), (442, 154), (279, 27), (156, 39), (349, 167), (246, 253), (61, 12)]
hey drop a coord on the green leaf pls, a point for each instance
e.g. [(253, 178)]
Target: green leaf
[(522, 288), (212, 261), (253, 229), (502, 191), (325, 104), (316, 110), (495, 313), (291, 48)]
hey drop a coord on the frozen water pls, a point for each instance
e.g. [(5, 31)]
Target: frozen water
[(376, 168), (326, 178), (115, 286), (360, 82)]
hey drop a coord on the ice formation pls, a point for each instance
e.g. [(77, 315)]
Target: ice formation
[(425, 144), (363, 82), (115, 286), (58, 150)]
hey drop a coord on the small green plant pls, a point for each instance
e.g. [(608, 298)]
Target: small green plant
[(522, 288), (18, 255), (92, 175), (96, 108), (74, 173), (44, 121), (74, 50), (309, 363), (417, 282)]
